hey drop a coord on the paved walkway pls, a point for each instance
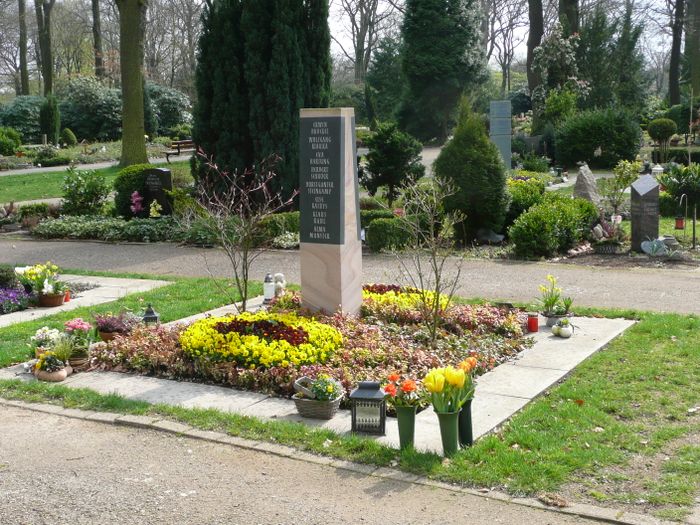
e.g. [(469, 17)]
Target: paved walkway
[(167, 478), (499, 393), (106, 289), (51, 169), (670, 290)]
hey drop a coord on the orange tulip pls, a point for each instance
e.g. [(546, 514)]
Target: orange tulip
[(394, 377), (408, 386), (390, 389)]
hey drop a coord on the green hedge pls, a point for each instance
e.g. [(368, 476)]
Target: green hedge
[(128, 181), (387, 234), (614, 131), (280, 223), (369, 216), (524, 194), (553, 226)]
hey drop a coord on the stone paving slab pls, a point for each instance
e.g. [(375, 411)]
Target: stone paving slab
[(108, 289)]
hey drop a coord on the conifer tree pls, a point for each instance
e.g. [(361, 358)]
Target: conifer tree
[(442, 57)]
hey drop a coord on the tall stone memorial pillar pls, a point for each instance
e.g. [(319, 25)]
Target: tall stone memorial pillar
[(501, 128), (330, 246), (645, 211)]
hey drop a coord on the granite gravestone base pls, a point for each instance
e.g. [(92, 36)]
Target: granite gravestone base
[(158, 182), (330, 246), (645, 211)]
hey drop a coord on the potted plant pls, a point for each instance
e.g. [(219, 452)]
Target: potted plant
[(78, 331), (43, 340), (317, 398), (50, 368), (564, 328), (405, 396), (109, 325), (44, 281), (449, 389), (554, 306)]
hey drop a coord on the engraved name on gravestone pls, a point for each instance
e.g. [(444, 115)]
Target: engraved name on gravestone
[(501, 128), (322, 199), (158, 181), (645, 211)]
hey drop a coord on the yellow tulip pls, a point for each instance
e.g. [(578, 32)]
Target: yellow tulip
[(434, 381), (455, 377)]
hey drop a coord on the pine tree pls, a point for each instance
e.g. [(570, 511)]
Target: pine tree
[(318, 67), (385, 77), (596, 46), (631, 83), (442, 57)]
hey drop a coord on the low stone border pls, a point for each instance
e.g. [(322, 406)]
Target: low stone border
[(106, 289), (164, 425)]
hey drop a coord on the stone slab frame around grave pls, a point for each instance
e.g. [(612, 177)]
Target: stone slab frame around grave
[(645, 211), (330, 246)]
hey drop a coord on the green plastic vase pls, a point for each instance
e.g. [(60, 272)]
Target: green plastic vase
[(466, 436), (406, 418), (449, 432)]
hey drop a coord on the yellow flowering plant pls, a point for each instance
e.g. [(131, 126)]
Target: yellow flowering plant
[(43, 278), (262, 339), (551, 299), (450, 387)]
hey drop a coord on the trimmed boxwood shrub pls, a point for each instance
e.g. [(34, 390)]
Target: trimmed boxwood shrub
[(68, 137), (524, 194), (553, 226), (387, 234), (129, 180), (10, 141), (614, 131), (368, 216), (279, 223)]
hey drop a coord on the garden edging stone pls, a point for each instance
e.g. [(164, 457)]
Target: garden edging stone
[(577, 509)]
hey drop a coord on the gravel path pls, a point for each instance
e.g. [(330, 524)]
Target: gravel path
[(94, 166), (59, 470), (671, 290)]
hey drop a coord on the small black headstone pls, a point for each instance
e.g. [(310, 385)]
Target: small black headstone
[(645, 211), (158, 182)]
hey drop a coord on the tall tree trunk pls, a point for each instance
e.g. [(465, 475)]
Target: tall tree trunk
[(132, 15), (674, 67), (568, 16), (693, 45), (534, 39), (97, 39), (23, 67), (43, 21)]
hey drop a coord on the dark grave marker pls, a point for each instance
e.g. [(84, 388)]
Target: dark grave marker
[(645, 211), (158, 181)]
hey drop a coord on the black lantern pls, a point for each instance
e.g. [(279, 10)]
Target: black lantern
[(150, 316), (368, 406)]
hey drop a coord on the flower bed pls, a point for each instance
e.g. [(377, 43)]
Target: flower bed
[(268, 351)]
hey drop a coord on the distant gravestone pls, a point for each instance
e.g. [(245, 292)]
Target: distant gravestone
[(330, 246), (158, 182), (645, 211), (586, 187), (501, 128)]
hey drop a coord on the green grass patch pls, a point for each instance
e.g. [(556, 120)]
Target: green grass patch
[(629, 400), (48, 185), (180, 299)]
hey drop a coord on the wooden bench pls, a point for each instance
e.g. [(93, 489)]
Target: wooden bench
[(178, 147)]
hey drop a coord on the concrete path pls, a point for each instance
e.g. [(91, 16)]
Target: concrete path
[(107, 474), (669, 290), (499, 393), (52, 169), (106, 289)]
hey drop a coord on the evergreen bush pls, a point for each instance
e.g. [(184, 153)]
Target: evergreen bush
[(661, 130), (369, 216), (600, 138), (10, 141), (68, 137), (90, 109), (524, 194), (50, 119), (387, 234), (22, 114), (472, 162), (8, 277), (84, 192), (128, 181), (394, 159)]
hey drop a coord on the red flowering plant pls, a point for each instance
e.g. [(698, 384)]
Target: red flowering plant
[(403, 392)]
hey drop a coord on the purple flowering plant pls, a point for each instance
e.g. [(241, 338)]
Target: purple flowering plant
[(13, 300)]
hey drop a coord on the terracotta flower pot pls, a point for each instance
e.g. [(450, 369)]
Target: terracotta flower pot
[(50, 300), (107, 336), (53, 377)]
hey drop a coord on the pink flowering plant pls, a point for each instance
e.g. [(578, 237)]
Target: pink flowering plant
[(79, 331)]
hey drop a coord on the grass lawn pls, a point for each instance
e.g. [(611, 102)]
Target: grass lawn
[(623, 428), (33, 186)]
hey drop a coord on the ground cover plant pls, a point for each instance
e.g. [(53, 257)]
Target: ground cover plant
[(268, 351), (602, 435)]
